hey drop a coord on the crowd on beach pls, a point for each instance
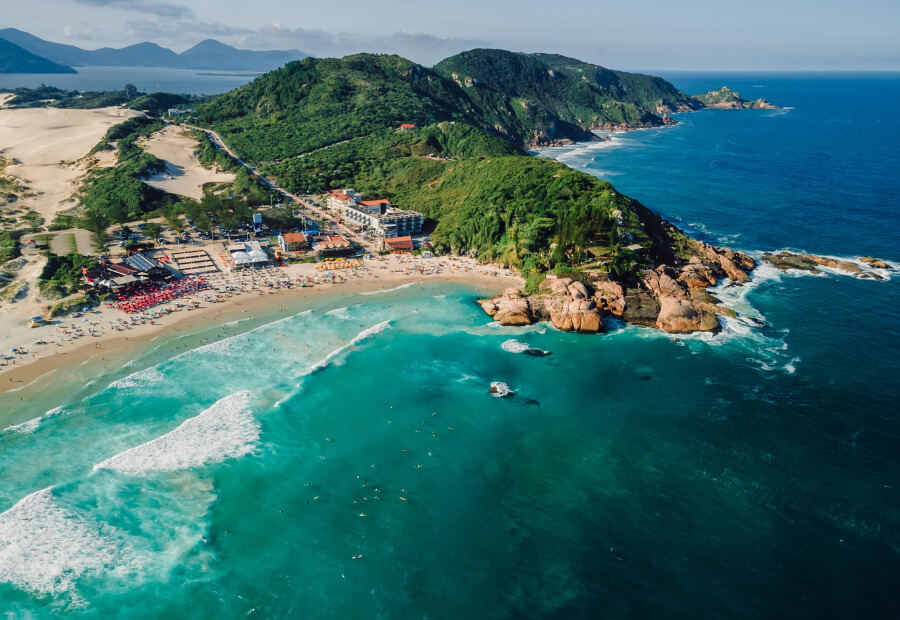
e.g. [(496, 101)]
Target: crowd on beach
[(197, 292)]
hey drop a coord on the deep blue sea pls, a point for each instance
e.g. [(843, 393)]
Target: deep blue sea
[(347, 460)]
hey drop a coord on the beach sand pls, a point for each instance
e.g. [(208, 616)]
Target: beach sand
[(184, 174), (48, 144), (116, 339)]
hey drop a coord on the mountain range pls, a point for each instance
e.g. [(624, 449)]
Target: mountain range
[(14, 59), (209, 54)]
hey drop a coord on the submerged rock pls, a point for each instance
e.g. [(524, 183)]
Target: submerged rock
[(500, 390)]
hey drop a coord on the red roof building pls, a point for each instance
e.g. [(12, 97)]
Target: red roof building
[(398, 245)]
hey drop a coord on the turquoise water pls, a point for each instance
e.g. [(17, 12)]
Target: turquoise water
[(750, 474)]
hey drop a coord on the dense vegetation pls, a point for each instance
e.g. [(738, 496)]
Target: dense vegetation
[(314, 103), (321, 124), (156, 104), (117, 194), (62, 274)]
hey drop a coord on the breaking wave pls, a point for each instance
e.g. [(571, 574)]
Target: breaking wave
[(226, 430), (363, 335), (390, 290), (514, 346), (45, 549), (139, 379), (32, 425), (339, 313)]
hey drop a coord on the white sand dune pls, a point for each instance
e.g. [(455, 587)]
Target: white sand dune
[(184, 174), (47, 142)]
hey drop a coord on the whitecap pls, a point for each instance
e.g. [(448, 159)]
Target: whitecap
[(226, 430), (363, 335), (339, 313), (500, 389), (142, 378), (45, 549), (389, 290), (514, 346), (32, 425)]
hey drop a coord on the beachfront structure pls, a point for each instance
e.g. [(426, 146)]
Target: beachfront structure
[(332, 245), (398, 245), (385, 220), (247, 254), (293, 242), (342, 197)]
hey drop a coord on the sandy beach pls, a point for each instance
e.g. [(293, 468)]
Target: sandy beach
[(111, 333), (48, 144), (184, 173)]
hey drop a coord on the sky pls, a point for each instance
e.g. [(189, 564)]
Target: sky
[(648, 35)]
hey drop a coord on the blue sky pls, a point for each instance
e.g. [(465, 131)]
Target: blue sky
[(647, 35)]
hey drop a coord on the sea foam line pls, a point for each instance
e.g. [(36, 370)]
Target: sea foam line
[(226, 430), (32, 425), (45, 549), (363, 335), (390, 290)]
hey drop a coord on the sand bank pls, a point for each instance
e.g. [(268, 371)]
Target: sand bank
[(32, 371), (47, 143), (184, 174)]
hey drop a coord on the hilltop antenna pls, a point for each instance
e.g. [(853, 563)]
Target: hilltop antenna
[(157, 86)]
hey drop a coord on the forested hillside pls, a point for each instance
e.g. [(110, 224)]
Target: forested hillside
[(320, 124)]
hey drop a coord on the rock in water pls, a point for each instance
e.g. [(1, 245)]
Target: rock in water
[(500, 390)]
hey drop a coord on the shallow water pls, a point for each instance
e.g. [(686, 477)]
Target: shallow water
[(748, 474)]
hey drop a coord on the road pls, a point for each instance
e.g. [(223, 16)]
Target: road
[(219, 143)]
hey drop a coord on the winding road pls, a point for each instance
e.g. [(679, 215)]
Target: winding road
[(220, 144)]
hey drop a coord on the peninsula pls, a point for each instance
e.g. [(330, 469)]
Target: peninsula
[(159, 202)]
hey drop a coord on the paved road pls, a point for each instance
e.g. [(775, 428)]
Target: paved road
[(217, 140)]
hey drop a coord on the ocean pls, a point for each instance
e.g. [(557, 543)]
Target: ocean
[(345, 459)]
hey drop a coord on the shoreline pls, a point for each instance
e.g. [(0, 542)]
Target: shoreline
[(111, 347)]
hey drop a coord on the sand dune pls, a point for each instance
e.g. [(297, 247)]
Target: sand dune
[(47, 142), (184, 174)]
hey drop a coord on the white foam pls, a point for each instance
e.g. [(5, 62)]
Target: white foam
[(25, 427), (500, 389), (141, 378), (514, 346), (339, 313), (225, 430), (45, 549), (363, 335), (390, 290), (32, 425)]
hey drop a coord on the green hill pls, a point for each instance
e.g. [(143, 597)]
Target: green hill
[(538, 90), (319, 124), (14, 59)]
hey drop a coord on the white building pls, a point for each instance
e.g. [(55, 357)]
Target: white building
[(386, 220), (339, 199)]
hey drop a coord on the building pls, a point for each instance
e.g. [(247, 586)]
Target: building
[(397, 245), (332, 245), (293, 242), (386, 220), (341, 198), (407, 126)]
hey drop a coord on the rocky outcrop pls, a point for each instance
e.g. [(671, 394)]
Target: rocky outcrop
[(509, 309), (670, 298), (679, 312), (609, 297), (579, 315), (734, 264), (570, 307), (875, 263)]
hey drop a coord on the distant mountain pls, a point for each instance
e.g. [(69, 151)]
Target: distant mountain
[(14, 59), (209, 54)]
